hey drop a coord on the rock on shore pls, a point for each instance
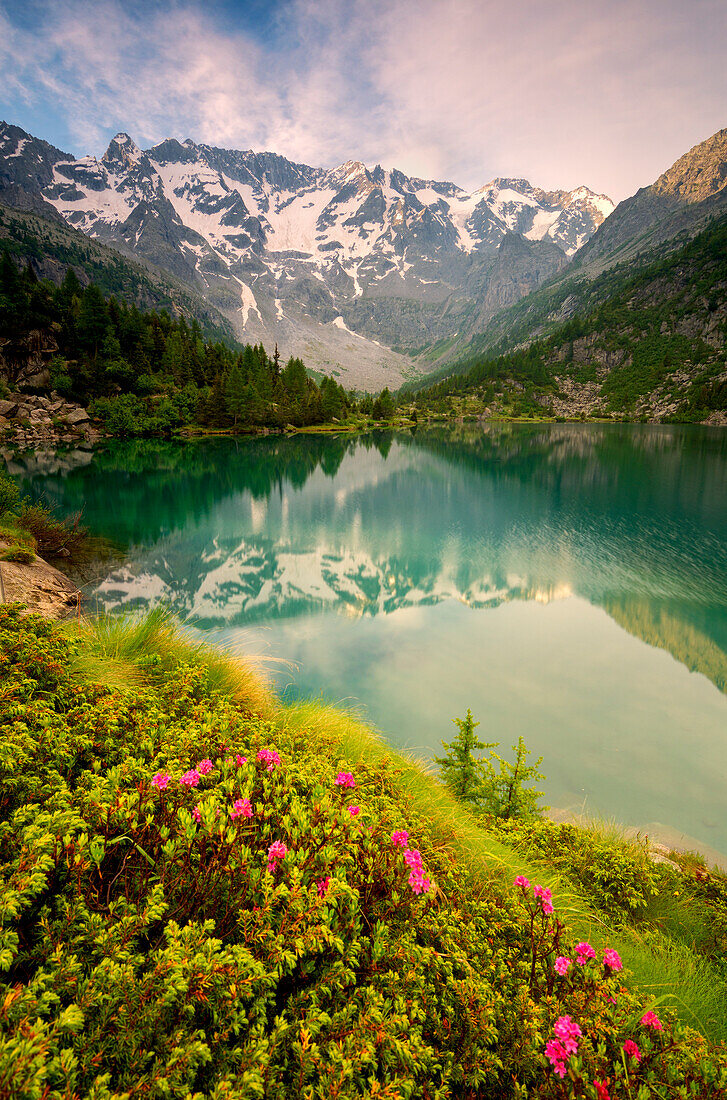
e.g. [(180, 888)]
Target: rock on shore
[(32, 420), (40, 586)]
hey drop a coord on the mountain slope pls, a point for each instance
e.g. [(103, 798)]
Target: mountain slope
[(654, 222), (351, 268), (652, 344), (52, 247)]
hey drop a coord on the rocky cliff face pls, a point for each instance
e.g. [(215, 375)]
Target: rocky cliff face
[(340, 266), (675, 207), (699, 174), (24, 361)]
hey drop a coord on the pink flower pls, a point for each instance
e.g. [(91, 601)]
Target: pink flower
[(601, 1090), (584, 951), (161, 781), (414, 859), (345, 779), (190, 778), (269, 757), (557, 1056), (631, 1050), (205, 767), (520, 880), (562, 963), (652, 1020), (323, 885), (241, 808), (277, 850), (354, 810), (196, 813), (566, 1029), (240, 760), (558, 1052), (545, 896), (400, 837), (419, 882), (612, 959)]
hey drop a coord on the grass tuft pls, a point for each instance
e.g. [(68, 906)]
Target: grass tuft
[(132, 650)]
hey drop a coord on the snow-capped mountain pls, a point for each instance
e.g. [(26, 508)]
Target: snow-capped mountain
[(355, 269)]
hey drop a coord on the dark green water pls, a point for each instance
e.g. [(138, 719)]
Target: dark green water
[(566, 583)]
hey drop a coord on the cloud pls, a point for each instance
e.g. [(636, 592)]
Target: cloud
[(562, 93)]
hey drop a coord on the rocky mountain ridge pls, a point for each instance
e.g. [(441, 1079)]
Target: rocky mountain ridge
[(355, 269), (645, 229)]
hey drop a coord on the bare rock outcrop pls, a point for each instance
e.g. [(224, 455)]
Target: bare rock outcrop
[(40, 586)]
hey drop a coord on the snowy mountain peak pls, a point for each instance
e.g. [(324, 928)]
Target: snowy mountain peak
[(339, 266)]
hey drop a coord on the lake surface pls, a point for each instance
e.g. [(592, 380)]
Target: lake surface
[(567, 583)]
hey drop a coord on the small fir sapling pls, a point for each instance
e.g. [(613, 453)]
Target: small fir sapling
[(493, 784)]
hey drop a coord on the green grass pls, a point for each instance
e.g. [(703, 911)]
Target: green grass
[(131, 651)]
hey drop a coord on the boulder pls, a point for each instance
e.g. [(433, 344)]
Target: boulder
[(78, 416), (8, 408)]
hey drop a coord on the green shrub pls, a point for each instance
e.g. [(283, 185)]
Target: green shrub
[(9, 494), (197, 902), (22, 554), (616, 875), (50, 534)]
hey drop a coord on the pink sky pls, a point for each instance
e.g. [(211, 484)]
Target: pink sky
[(562, 93)]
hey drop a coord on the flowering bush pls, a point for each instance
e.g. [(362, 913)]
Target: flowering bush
[(244, 935), (617, 877)]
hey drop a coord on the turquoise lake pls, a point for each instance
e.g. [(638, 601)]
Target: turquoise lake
[(567, 583)]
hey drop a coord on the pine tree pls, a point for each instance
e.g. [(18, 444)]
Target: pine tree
[(461, 772), (507, 796), (492, 785), (236, 393)]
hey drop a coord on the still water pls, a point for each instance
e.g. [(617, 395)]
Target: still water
[(567, 583)]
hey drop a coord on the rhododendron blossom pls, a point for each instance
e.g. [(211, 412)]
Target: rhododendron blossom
[(557, 1056), (562, 963), (277, 850), (191, 778), (612, 959), (414, 858), (322, 886), (354, 810), (566, 1029), (558, 1052), (631, 1050), (240, 760), (652, 1020), (419, 882), (400, 837), (345, 779), (241, 808), (196, 814), (520, 880), (545, 896), (205, 767), (270, 758), (584, 951), (161, 781), (601, 1090)]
